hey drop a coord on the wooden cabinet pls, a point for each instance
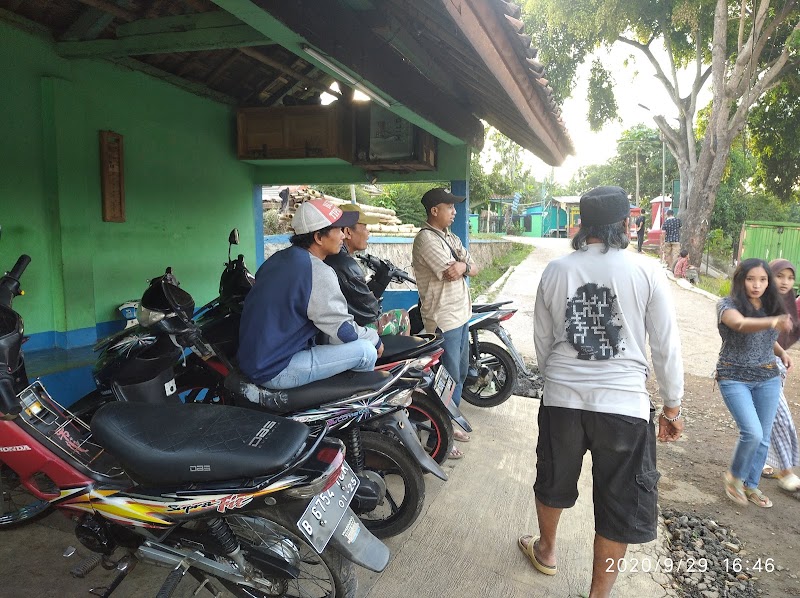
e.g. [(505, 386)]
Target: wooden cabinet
[(291, 132), (362, 133)]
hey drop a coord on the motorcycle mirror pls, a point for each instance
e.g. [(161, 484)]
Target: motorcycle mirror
[(233, 239)]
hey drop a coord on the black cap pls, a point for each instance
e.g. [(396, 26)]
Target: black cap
[(439, 195), (604, 205)]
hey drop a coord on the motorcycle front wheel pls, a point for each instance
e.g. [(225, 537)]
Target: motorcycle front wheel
[(433, 425), (402, 477), (326, 575), (495, 385)]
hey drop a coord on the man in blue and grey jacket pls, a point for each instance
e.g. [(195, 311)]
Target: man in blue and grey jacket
[(295, 297)]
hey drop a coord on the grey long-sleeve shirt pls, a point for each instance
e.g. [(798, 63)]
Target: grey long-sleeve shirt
[(594, 313)]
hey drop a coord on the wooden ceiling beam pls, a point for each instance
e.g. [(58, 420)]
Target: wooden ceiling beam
[(282, 68), (343, 36), (195, 40)]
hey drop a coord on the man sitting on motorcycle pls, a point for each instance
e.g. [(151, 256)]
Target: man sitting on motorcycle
[(362, 296), (295, 297)]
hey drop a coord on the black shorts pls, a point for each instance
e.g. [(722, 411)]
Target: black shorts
[(623, 469)]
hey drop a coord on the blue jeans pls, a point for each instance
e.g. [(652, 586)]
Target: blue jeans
[(753, 406), (456, 357), (324, 361)]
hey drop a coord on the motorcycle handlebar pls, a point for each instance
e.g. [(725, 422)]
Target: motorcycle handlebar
[(20, 266), (403, 276), (9, 284), (375, 263)]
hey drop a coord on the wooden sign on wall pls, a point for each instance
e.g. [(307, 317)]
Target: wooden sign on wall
[(112, 176)]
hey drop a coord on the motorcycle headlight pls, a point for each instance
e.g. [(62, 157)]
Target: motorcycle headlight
[(149, 317)]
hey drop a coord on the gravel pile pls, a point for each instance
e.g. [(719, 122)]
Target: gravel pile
[(530, 387), (708, 559)]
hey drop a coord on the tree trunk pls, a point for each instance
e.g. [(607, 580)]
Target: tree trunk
[(702, 196)]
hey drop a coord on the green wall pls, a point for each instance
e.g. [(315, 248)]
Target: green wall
[(184, 188)]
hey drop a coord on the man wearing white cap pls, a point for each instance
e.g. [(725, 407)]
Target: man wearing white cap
[(295, 297)]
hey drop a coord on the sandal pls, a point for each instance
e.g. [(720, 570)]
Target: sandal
[(758, 498), (460, 436), (789, 482), (734, 489), (455, 454), (529, 549), (768, 472)]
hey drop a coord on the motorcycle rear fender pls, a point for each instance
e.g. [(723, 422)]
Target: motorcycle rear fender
[(399, 424), (453, 411), (352, 540), (356, 543)]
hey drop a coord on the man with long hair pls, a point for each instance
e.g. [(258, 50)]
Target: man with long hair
[(595, 310)]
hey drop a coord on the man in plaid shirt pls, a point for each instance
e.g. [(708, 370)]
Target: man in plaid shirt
[(672, 239)]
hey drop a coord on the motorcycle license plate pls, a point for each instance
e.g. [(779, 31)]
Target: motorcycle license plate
[(444, 385), (325, 512)]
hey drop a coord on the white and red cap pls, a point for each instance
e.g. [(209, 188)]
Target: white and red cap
[(316, 214)]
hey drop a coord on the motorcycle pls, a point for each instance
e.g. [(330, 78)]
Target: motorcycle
[(218, 321), (255, 503), (493, 370), (367, 410)]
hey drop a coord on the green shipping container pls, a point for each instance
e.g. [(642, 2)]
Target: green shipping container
[(770, 241)]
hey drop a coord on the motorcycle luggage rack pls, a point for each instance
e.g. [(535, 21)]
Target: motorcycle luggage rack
[(63, 430)]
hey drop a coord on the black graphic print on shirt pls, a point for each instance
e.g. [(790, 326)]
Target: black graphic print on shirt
[(591, 320)]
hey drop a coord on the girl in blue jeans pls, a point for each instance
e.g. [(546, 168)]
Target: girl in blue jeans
[(749, 321)]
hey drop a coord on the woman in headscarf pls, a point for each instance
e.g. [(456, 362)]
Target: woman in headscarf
[(783, 450)]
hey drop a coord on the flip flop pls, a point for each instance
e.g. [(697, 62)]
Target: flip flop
[(530, 552), (460, 436), (768, 472), (758, 498), (455, 454), (734, 489)]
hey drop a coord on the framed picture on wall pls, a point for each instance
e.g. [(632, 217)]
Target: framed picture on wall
[(112, 176)]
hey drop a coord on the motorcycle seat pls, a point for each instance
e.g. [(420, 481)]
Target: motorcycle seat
[(396, 347), (335, 388), (484, 307), (179, 444)]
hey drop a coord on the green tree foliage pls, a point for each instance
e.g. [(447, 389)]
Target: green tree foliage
[(602, 103), (775, 127), (743, 48)]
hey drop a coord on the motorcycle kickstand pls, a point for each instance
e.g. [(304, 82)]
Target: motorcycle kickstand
[(125, 565), (176, 576)]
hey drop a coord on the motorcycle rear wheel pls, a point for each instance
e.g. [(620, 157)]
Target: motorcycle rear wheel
[(433, 425), (320, 575), (405, 486), (503, 377)]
